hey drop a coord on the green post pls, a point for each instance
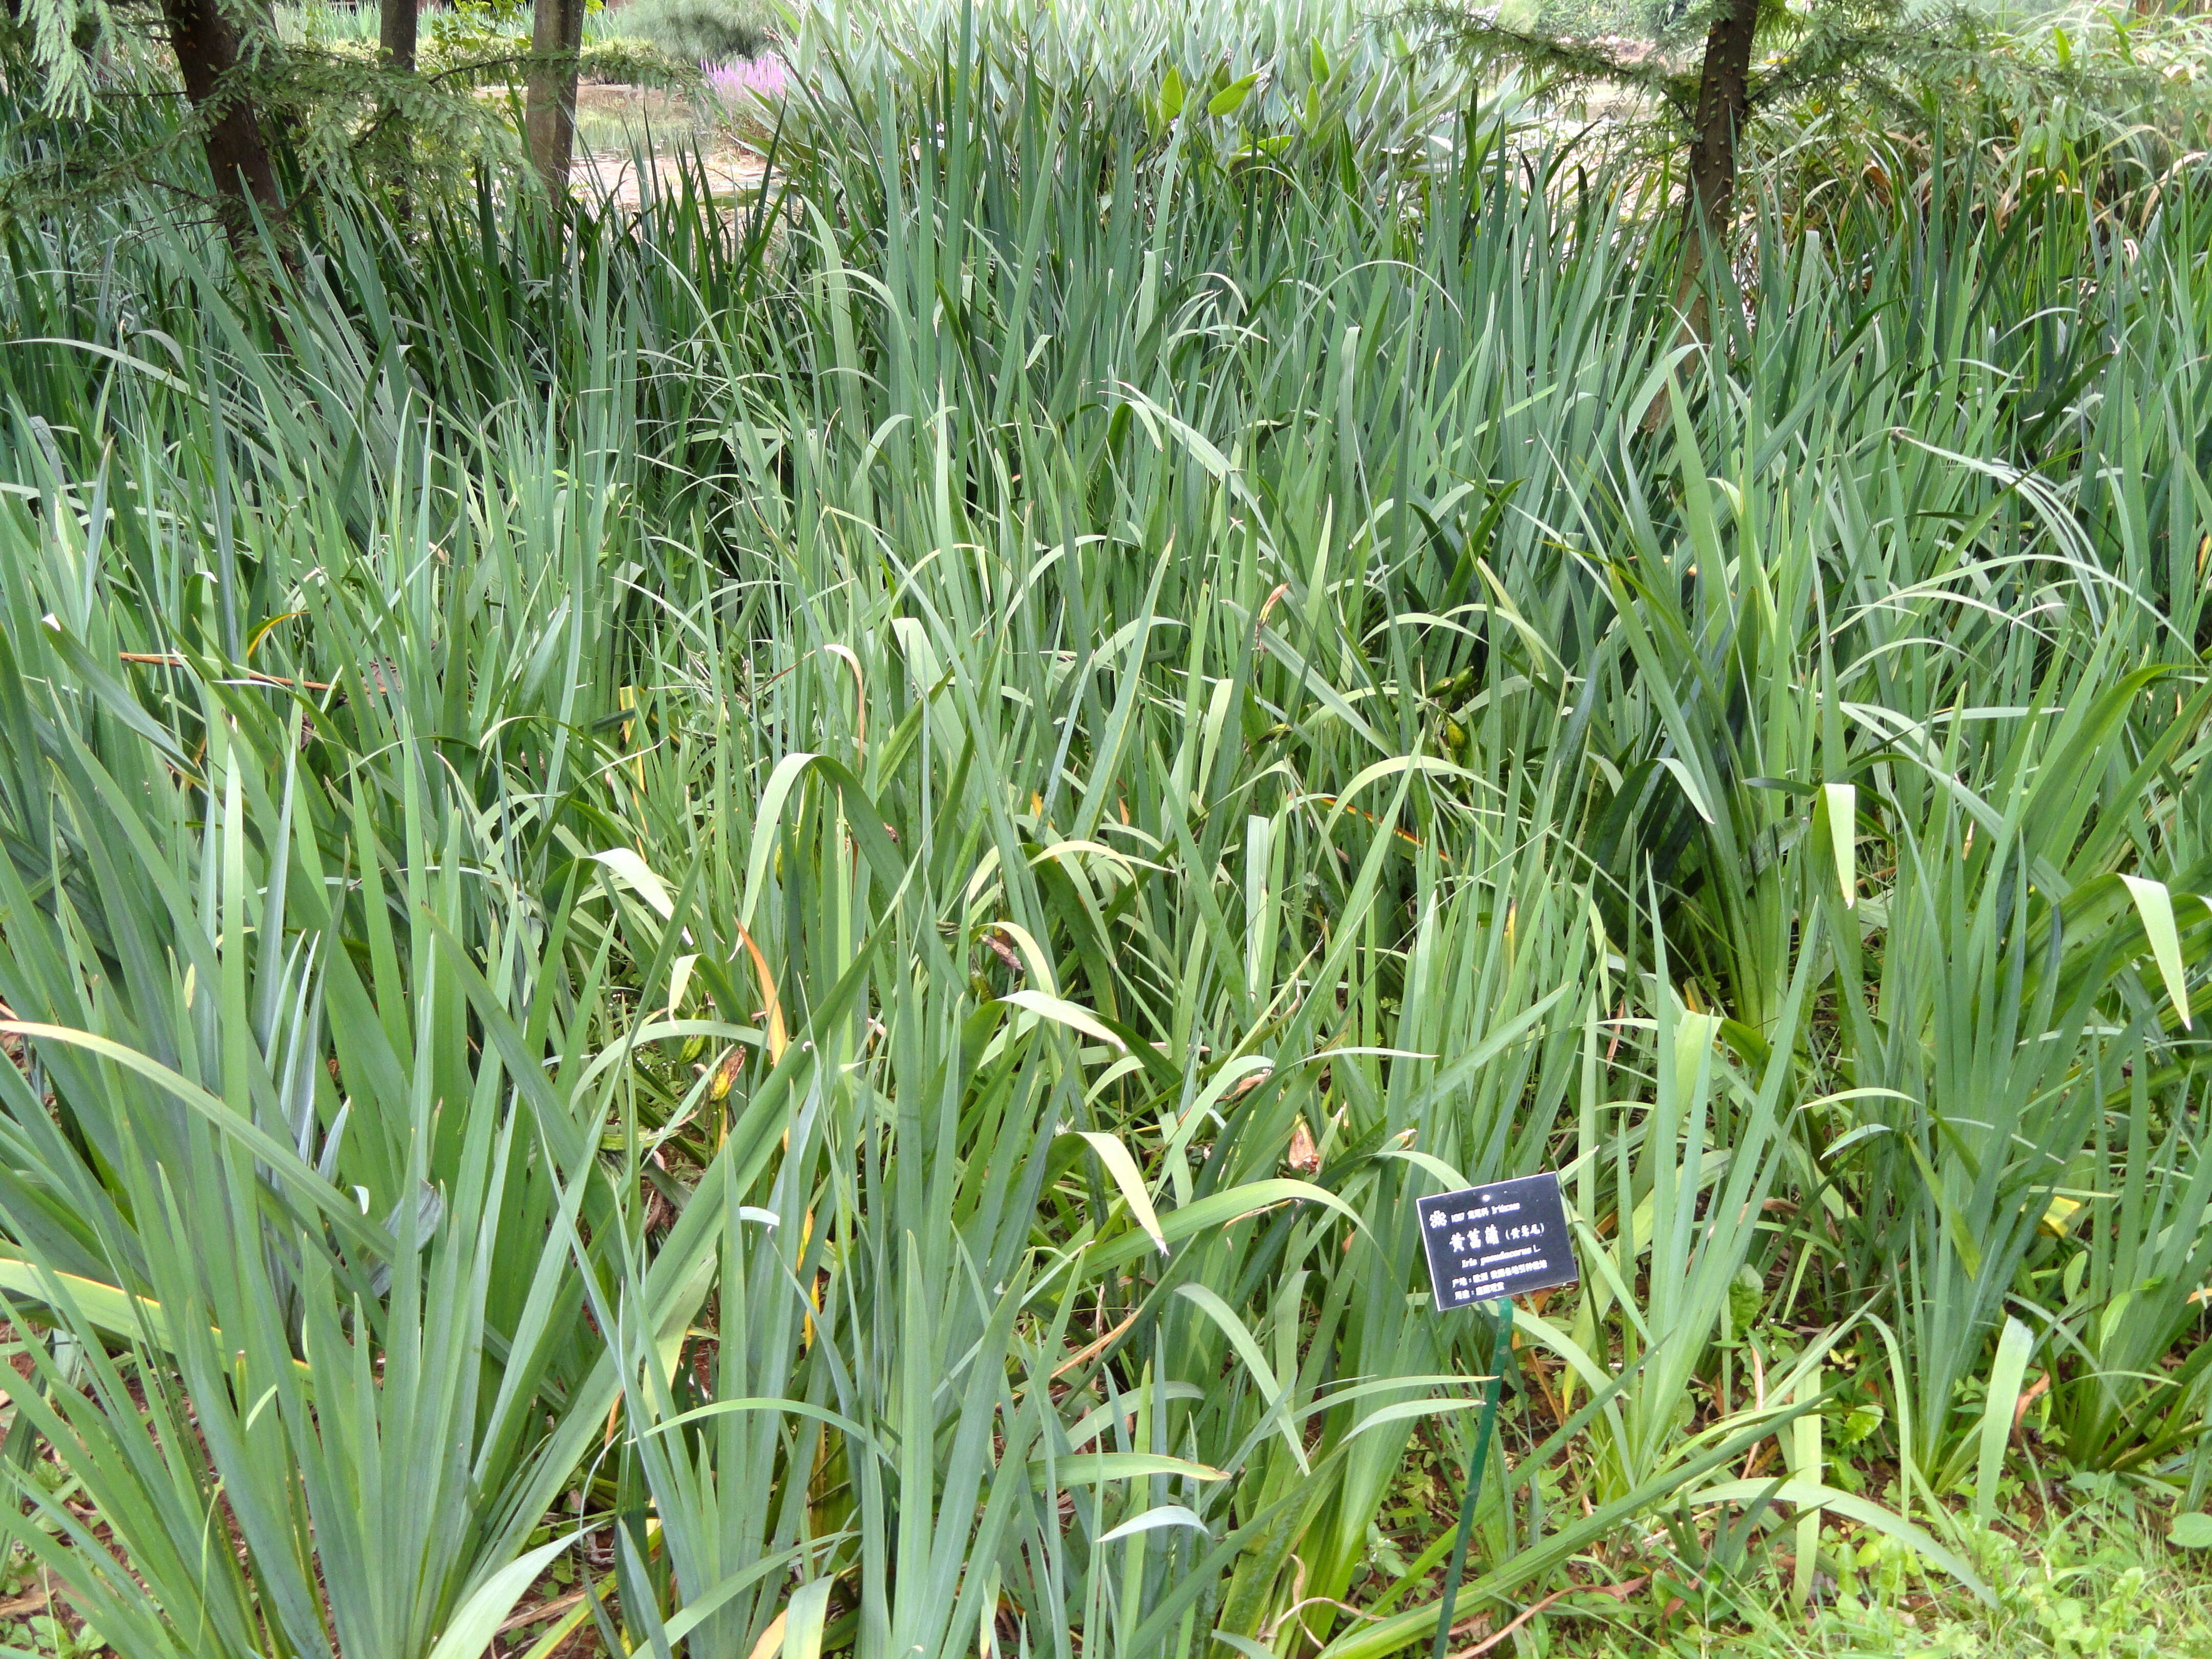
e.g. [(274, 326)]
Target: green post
[(1501, 1355)]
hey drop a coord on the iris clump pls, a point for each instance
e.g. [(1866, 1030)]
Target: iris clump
[(746, 928)]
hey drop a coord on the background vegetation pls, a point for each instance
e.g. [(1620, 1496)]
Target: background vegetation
[(742, 927)]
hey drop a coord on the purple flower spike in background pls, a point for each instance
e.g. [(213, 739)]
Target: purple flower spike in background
[(764, 77)]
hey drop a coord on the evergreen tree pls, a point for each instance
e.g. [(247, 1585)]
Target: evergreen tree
[(220, 46), (1754, 54), (273, 119)]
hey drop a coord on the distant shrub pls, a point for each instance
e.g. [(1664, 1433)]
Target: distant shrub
[(699, 31), (631, 60)]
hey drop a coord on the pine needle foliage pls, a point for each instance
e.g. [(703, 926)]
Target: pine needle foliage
[(338, 119), (1804, 52)]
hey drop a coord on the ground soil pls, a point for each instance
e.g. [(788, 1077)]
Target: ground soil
[(616, 125)]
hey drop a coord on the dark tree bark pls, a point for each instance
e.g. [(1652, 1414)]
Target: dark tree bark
[(206, 40), (549, 118), (1723, 104), (395, 30)]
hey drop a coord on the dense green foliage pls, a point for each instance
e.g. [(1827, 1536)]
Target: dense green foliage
[(699, 30), (805, 892)]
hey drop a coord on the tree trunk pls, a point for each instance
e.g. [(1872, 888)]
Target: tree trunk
[(1723, 103), (207, 47), (396, 29), (548, 119)]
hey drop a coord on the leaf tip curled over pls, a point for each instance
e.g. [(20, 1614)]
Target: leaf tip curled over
[(1843, 816), (2154, 906), (624, 864), (1061, 1012), (1130, 1179), (1160, 1514)]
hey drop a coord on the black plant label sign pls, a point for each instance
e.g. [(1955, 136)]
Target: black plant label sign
[(1504, 1238)]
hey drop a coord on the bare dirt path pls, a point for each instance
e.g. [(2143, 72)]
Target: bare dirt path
[(730, 174), (616, 125)]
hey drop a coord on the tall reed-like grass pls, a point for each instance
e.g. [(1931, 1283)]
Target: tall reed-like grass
[(792, 904)]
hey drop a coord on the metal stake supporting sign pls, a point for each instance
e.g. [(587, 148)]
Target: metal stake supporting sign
[(1491, 1244), (1501, 1355)]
